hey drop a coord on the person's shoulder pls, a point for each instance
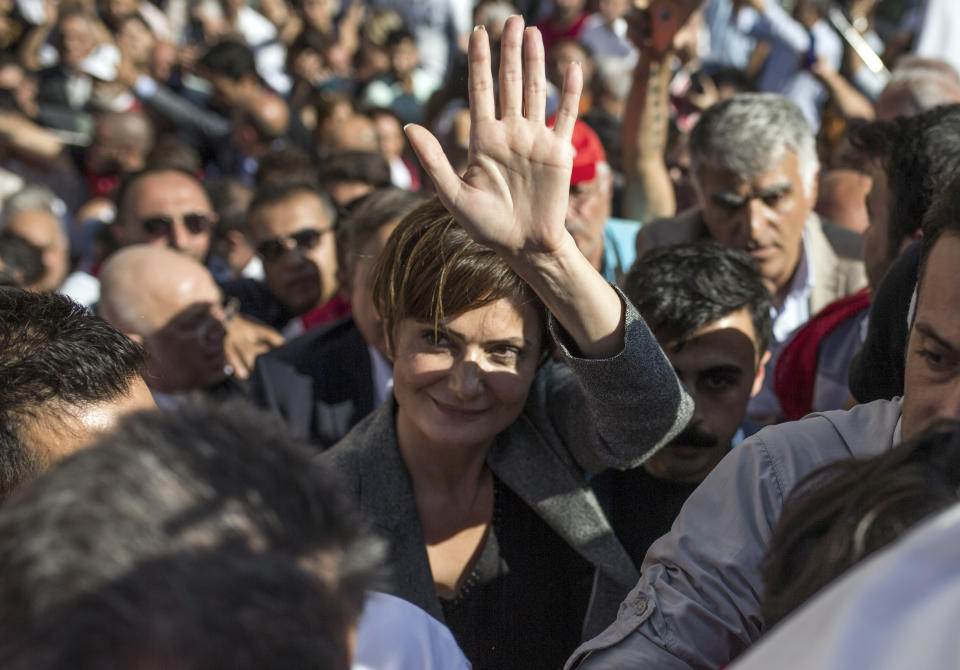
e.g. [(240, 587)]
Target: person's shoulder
[(863, 431), (315, 341), (684, 228)]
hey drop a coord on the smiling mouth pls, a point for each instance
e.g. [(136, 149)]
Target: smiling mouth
[(456, 411)]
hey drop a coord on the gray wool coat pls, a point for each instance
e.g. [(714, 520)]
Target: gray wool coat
[(581, 416)]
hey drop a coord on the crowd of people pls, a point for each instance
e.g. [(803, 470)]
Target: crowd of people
[(395, 334)]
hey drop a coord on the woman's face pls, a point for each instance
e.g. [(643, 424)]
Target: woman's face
[(460, 386)]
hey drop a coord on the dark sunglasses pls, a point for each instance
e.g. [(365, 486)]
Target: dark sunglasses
[(302, 240), (161, 225)]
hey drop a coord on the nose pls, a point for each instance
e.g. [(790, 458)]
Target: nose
[(178, 236), (756, 211), (466, 378)]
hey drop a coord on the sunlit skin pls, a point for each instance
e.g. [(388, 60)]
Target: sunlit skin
[(763, 216), (460, 387), (301, 279), (456, 389), (170, 194), (932, 374), (721, 368), (55, 434)]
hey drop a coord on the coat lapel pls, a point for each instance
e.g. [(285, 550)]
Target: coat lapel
[(823, 263), (386, 498), (529, 467)]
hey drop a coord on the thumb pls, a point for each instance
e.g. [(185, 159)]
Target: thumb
[(435, 162)]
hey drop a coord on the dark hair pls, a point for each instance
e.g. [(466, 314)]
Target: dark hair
[(230, 58), (281, 190), (430, 269), (22, 261), (54, 357), (943, 216), (398, 35), (845, 511), (371, 212), (682, 288), (201, 477), (213, 609), (918, 153), (230, 198), (171, 153), (287, 162), (368, 167)]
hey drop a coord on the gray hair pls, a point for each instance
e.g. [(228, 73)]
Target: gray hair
[(31, 197), (751, 133)]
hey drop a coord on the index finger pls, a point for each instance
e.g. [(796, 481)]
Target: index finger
[(480, 76)]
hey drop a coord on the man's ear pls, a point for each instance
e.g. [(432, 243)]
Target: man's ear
[(135, 337), (761, 374)]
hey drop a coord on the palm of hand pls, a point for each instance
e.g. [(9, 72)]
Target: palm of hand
[(513, 195), (516, 185)]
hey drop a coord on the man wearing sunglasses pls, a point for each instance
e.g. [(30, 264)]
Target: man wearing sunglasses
[(291, 225), (165, 208), (170, 208)]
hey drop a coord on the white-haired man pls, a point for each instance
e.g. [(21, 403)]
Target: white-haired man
[(755, 167)]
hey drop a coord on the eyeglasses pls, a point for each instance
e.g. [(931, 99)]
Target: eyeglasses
[(161, 225), (302, 240)]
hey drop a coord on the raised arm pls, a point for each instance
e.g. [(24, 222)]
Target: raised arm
[(513, 195)]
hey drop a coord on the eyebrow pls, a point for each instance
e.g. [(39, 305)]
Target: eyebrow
[(731, 198), (928, 331), (450, 332), (726, 368)]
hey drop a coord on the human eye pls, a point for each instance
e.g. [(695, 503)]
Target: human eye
[(505, 353), (435, 338), (717, 381)]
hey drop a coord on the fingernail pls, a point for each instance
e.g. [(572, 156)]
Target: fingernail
[(479, 27), (407, 126)]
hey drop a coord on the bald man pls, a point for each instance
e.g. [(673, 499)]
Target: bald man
[(169, 303), (41, 228), (166, 208)]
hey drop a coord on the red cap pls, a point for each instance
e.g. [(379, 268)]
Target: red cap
[(587, 152)]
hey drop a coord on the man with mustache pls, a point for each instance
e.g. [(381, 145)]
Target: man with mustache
[(710, 312), (754, 166)]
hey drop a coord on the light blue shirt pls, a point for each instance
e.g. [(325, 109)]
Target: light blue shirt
[(785, 69)]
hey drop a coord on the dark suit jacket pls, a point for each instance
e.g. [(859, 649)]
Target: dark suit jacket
[(320, 383), (581, 416)]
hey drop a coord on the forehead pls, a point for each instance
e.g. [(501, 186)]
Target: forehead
[(499, 319), (38, 227), (297, 212), (786, 171), (730, 339), (938, 303), (167, 193)]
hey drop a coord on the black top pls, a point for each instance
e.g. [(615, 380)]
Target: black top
[(524, 603), (641, 508)]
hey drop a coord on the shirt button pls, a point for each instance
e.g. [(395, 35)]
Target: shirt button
[(640, 607)]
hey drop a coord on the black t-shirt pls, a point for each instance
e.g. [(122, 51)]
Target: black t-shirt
[(641, 508), (524, 603)]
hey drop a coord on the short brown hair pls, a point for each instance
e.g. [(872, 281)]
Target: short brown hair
[(430, 268)]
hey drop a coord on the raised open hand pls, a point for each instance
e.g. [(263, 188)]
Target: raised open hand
[(513, 195)]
